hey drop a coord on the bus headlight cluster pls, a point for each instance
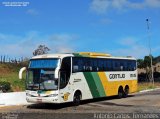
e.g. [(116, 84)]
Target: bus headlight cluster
[(52, 95), (27, 94)]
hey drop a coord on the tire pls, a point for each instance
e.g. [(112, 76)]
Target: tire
[(120, 93), (126, 92), (4, 91), (76, 99)]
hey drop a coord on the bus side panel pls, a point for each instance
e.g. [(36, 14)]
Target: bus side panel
[(80, 83), (111, 86), (97, 84), (77, 82)]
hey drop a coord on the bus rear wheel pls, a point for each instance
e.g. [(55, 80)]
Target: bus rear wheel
[(120, 92), (77, 99), (126, 92)]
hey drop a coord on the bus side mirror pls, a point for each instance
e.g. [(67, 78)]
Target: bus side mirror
[(21, 72), (56, 75)]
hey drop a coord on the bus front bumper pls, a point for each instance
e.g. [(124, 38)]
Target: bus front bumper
[(42, 99)]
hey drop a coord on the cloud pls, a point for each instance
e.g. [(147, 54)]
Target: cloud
[(63, 37), (17, 46), (62, 43), (23, 46), (32, 12), (63, 49), (105, 21), (130, 47), (128, 41), (118, 4), (103, 6), (152, 3), (100, 6)]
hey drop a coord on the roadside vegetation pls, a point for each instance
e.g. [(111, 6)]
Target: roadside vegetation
[(148, 85), (9, 77)]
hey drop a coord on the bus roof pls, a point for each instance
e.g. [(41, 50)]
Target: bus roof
[(100, 55), (81, 54)]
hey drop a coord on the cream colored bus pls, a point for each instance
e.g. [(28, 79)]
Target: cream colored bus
[(72, 77)]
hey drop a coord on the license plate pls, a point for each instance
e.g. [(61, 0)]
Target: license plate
[(39, 100)]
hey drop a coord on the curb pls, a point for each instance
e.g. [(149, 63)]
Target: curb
[(148, 90)]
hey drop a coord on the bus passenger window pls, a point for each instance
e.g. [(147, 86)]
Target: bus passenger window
[(75, 65), (105, 65), (100, 64), (109, 65), (121, 66), (94, 64)]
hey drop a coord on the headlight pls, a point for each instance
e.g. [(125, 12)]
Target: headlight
[(52, 95), (27, 94)]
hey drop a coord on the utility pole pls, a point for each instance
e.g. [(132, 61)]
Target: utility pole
[(150, 51)]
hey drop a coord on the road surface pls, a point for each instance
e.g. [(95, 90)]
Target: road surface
[(146, 104)]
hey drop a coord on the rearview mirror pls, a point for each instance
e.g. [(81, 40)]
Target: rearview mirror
[(56, 73), (21, 72)]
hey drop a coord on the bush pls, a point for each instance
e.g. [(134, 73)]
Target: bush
[(5, 86)]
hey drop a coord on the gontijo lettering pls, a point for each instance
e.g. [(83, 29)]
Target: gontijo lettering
[(116, 76)]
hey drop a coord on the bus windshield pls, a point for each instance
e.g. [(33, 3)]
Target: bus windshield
[(40, 75)]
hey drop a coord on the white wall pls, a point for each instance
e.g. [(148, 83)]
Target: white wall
[(13, 98)]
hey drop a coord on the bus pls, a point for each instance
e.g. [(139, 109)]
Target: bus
[(73, 77)]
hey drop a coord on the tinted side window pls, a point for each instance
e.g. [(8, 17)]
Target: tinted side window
[(66, 64), (87, 64), (79, 64), (100, 65), (116, 65), (109, 65), (83, 64), (94, 65)]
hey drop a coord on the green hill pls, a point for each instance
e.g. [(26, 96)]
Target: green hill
[(9, 73)]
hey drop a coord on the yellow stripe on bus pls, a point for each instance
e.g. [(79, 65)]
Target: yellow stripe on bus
[(111, 87), (104, 81), (106, 84)]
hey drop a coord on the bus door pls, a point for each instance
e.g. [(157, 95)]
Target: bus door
[(65, 72)]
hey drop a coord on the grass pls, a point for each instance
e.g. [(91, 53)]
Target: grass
[(148, 85), (9, 73)]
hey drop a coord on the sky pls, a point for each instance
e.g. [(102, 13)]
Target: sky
[(117, 27)]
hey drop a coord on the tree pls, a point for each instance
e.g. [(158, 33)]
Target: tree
[(42, 49), (140, 63), (147, 61)]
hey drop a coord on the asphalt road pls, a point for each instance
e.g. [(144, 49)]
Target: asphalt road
[(141, 105)]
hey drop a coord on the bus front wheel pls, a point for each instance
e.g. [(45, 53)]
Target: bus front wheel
[(77, 99)]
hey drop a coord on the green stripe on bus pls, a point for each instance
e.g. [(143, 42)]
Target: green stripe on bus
[(77, 55), (98, 83), (80, 55), (91, 83)]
